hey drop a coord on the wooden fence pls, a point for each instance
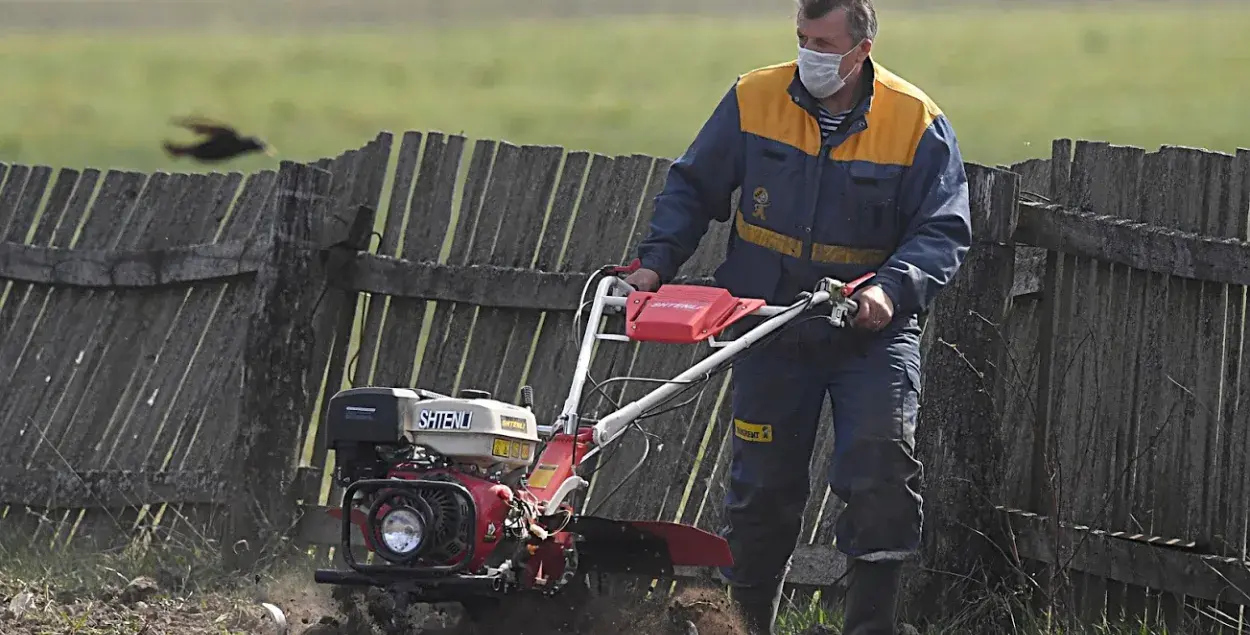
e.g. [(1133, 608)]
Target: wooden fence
[(1082, 384), (1129, 426)]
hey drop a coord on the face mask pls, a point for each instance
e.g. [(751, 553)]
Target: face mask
[(819, 72)]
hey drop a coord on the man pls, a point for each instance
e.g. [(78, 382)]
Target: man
[(844, 169)]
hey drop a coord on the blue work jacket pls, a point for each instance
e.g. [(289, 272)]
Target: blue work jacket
[(886, 193)]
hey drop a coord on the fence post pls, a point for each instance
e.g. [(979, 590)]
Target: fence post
[(960, 436), (276, 358)]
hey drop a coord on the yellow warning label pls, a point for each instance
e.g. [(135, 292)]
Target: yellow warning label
[(755, 432), (541, 477), (512, 423), (508, 449), (499, 448)]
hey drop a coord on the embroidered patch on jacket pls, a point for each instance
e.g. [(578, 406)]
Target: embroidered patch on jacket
[(754, 432), (760, 197)]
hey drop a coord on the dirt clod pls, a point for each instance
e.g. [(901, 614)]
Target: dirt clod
[(138, 590), (19, 605), (709, 610)]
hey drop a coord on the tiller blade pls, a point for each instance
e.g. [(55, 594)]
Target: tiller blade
[(645, 547)]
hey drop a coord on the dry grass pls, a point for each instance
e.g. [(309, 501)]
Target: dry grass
[(173, 590)]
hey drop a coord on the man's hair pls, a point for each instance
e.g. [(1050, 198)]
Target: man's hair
[(861, 17)]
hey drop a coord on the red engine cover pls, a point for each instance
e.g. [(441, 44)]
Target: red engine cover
[(683, 314)]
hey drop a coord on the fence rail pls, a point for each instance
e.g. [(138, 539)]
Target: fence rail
[(168, 343)]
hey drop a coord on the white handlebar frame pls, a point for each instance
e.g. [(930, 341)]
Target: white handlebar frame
[(611, 295)]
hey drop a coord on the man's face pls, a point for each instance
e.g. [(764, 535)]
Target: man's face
[(831, 34)]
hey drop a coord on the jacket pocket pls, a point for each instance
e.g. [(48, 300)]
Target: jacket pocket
[(872, 192)]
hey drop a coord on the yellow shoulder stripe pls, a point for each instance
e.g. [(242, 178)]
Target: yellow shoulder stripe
[(767, 111), (899, 115)]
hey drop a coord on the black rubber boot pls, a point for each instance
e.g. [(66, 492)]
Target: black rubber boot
[(872, 598), (758, 606)]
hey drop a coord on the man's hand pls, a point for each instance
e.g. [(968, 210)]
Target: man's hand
[(875, 308), (643, 280)]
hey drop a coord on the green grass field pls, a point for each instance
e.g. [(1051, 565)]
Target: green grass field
[(1011, 80)]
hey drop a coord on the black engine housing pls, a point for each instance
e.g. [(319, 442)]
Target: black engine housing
[(361, 422)]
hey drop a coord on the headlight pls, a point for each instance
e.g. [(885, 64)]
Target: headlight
[(403, 531)]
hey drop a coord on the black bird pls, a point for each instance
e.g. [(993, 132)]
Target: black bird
[(222, 142)]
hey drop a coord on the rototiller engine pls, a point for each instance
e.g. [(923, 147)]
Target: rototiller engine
[(468, 497)]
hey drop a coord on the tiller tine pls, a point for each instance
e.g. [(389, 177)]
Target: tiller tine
[(645, 547)]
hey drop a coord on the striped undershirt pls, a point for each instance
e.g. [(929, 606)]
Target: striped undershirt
[(829, 121)]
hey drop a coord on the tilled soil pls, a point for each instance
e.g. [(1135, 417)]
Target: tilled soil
[(695, 610), (141, 607)]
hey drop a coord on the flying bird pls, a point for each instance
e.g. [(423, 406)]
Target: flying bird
[(221, 142)]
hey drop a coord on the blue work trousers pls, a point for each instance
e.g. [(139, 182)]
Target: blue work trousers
[(873, 382)]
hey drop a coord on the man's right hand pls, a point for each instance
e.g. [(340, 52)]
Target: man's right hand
[(643, 280)]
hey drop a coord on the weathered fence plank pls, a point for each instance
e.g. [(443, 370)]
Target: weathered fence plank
[(15, 341), (22, 306), (1226, 452), (204, 419), (278, 352), (4, 172), (601, 230), (388, 245), (200, 446), (958, 437), (16, 313), (515, 207), (557, 344), (450, 324), (145, 321), (190, 342), (142, 425), (1105, 178), (1237, 521), (428, 218), (126, 269), (58, 488), (10, 194), (1229, 528), (1146, 247), (527, 221), (1177, 571), (335, 312), (1207, 212), (73, 351)]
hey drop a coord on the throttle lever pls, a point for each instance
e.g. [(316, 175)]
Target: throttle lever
[(844, 309), (617, 270), (851, 287)]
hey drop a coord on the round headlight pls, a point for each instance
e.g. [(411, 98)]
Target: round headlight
[(403, 531)]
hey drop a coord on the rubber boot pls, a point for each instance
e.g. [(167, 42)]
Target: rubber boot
[(758, 606), (872, 598)]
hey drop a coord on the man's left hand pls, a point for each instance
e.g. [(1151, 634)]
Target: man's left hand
[(875, 308)]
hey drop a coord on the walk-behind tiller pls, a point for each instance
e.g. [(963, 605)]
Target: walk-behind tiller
[(457, 501)]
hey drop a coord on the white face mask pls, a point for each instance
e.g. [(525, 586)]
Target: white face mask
[(819, 71)]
